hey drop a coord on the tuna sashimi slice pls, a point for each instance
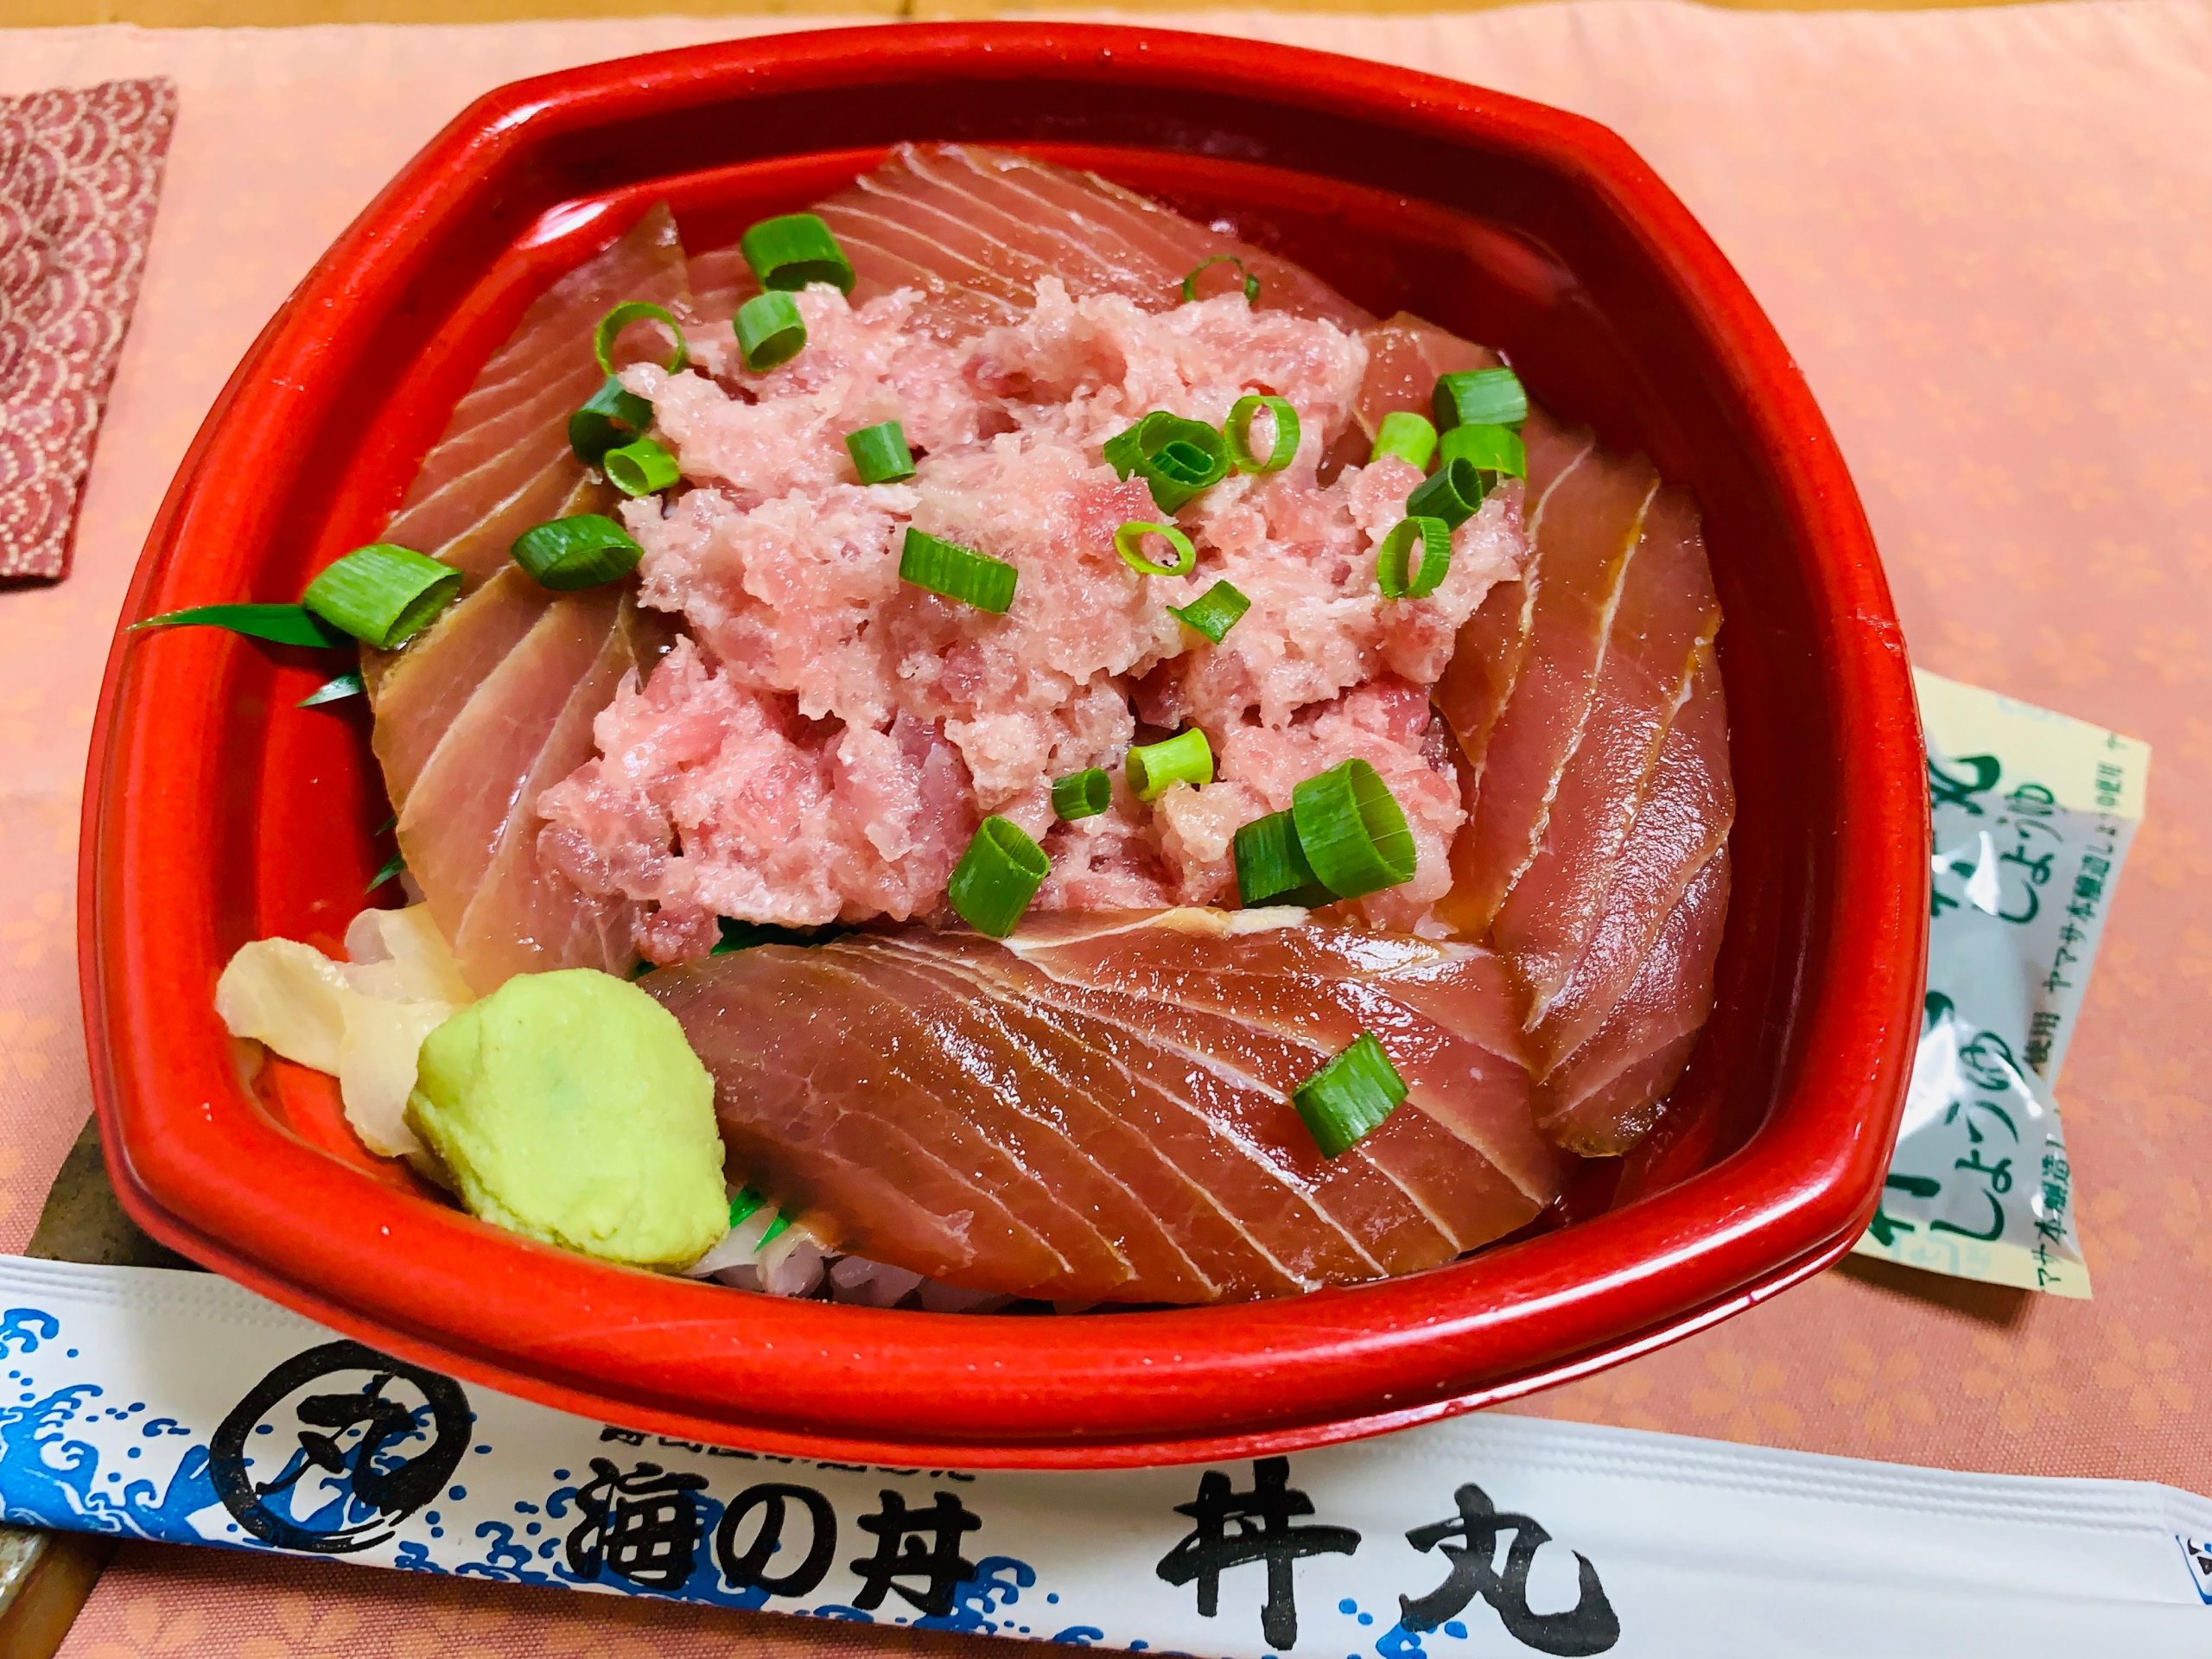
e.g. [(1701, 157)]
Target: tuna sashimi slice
[(1666, 612), (503, 463), (507, 722), (1681, 822), (975, 229), (1583, 544), (1097, 1108), (1605, 1095)]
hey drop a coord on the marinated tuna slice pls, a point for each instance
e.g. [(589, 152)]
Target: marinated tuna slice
[(1602, 1097), (1492, 643), (475, 720), (503, 463), (976, 230), (1583, 544), (1681, 822), (1666, 614), (1097, 1108)]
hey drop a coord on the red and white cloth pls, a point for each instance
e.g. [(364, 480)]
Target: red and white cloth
[(80, 175)]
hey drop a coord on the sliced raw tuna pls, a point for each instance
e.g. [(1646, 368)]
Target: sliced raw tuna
[(503, 463), (1604, 1098), (1097, 1109), (975, 229), (1680, 824), (1583, 544), (1666, 613), (480, 713), (1596, 766)]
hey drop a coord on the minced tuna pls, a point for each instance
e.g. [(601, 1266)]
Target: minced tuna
[(823, 743)]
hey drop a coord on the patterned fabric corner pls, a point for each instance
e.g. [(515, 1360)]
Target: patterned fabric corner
[(80, 174)]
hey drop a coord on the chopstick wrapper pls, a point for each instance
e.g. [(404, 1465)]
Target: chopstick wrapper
[(2033, 812), (180, 1408), (80, 173)]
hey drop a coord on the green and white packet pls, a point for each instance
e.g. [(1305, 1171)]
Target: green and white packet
[(2033, 812)]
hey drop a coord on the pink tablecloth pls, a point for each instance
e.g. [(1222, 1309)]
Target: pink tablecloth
[(1987, 236)]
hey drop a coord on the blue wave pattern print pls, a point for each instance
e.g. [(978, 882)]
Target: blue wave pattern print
[(340, 1451), (277, 1436)]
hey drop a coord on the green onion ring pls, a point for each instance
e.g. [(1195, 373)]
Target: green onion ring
[(613, 415), (879, 453), (1407, 436), (1271, 869), (1352, 831), (1497, 451), (1215, 612), (639, 468), (1395, 572), (1480, 397), (997, 877), (794, 251), (1176, 457), (1451, 492), (577, 552), (612, 324), (1128, 542), (382, 594), (1082, 794), (1237, 434), (770, 331), (1348, 1099), (1155, 768), (956, 572)]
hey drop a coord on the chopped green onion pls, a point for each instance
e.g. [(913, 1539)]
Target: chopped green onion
[(1395, 572), (1480, 396), (956, 572), (393, 868), (1128, 542), (1496, 450), (770, 330), (794, 251), (1348, 1098), (281, 624), (879, 453), (1082, 794), (382, 594), (1251, 283), (1238, 433), (581, 551), (639, 468), (1351, 831), (1213, 613), (612, 324), (614, 416), (776, 1228), (1185, 758), (336, 689), (1271, 868), (1177, 457), (742, 1203), (1407, 436), (997, 877), (1451, 492)]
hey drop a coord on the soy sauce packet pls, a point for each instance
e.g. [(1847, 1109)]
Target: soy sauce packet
[(2033, 812)]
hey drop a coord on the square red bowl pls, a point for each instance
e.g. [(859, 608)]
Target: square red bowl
[(220, 813)]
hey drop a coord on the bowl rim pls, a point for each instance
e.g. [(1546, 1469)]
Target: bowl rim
[(516, 1315)]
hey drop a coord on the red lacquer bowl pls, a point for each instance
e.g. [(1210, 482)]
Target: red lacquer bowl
[(220, 813)]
